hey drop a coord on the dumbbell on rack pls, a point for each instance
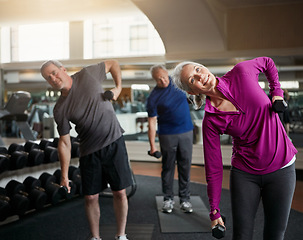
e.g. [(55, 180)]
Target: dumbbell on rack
[(54, 191), (73, 187), (50, 152), (46, 144), (74, 147), (17, 160), (4, 163), (5, 208), (19, 200), (37, 197), (36, 193), (74, 174), (34, 156)]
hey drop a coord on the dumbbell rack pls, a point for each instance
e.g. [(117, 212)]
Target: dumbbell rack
[(35, 171)]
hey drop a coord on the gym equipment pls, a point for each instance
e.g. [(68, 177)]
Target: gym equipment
[(30, 145), (5, 209), (50, 155), (75, 147), (130, 191), (74, 174), (73, 187), (50, 152), (34, 156), (4, 163), (36, 193), (37, 197), (17, 160), (218, 231), (54, 191), (44, 143), (14, 110), (156, 154), (19, 200), (55, 142), (108, 95), (279, 106)]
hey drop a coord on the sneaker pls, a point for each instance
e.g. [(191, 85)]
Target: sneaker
[(168, 206), (121, 237), (186, 207)]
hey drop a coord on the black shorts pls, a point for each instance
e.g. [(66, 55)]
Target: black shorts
[(108, 165)]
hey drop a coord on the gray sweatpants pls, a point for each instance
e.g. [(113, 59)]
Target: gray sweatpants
[(176, 148)]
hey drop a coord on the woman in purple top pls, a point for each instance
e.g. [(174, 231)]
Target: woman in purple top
[(263, 156)]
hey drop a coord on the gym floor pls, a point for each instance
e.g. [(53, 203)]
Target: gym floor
[(198, 176)]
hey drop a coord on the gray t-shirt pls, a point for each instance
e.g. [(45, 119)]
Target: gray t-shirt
[(95, 119)]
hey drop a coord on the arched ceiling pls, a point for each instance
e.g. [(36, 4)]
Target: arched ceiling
[(216, 31), (224, 30)]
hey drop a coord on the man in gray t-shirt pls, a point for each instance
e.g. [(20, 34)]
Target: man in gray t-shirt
[(103, 155)]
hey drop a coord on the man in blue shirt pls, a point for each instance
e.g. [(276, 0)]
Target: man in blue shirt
[(168, 106)]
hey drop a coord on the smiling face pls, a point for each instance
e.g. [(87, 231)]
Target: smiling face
[(198, 79), (57, 77)]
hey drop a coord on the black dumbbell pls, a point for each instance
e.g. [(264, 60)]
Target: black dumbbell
[(17, 160), (108, 95), (36, 193), (55, 142), (279, 106), (50, 152), (4, 163), (74, 174), (34, 155), (218, 231), (75, 152), (18, 197), (37, 196), (156, 154), (44, 143), (73, 187), (5, 208), (54, 191)]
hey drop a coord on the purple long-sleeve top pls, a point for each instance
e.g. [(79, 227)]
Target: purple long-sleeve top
[(260, 143)]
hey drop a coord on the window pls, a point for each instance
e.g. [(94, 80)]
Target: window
[(121, 37), (36, 42), (103, 41), (5, 45), (139, 38)]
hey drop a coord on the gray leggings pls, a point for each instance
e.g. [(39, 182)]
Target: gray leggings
[(276, 191)]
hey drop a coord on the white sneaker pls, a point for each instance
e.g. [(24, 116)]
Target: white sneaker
[(168, 206), (186, 207), (121, 237)]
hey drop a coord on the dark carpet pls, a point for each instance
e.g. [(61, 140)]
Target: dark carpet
[(67, 220)]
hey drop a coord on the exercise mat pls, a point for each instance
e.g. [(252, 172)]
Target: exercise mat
[(179, 222)]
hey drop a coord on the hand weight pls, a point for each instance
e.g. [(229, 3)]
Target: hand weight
[(218, 231), (279, 106), (108, 95), (156, 154)]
